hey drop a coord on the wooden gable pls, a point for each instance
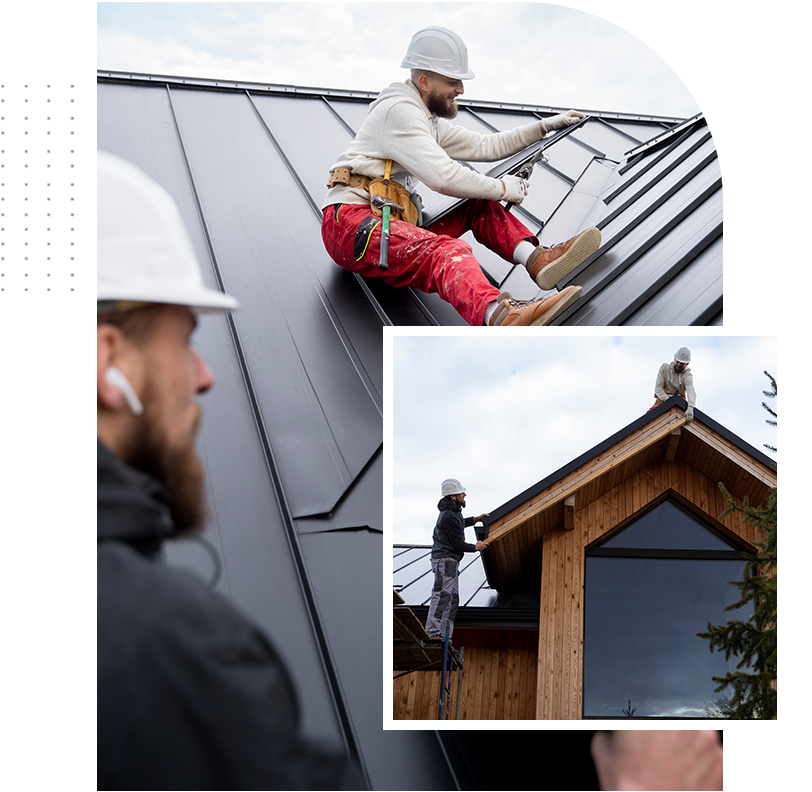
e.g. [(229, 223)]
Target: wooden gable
[(663, 454)]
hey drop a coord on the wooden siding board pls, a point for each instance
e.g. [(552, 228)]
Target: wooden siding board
[(560, 667)]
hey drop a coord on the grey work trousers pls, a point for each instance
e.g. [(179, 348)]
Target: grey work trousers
[(445, 597)]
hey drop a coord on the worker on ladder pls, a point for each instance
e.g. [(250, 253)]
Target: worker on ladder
[(676, 379), (447, 550)]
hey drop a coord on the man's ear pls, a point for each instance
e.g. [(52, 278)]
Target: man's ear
[(423, 82), (109, 343)]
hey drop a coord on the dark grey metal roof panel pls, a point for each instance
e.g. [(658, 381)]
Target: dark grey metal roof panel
[(292, 427), (248, 532), (341, 562), (316, 368), (656, 286), (695, 296), (351, 113), (361, 505), (663, 210)]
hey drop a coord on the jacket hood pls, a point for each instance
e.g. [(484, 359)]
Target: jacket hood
[(400, 91), (131, 507), (446, 504)]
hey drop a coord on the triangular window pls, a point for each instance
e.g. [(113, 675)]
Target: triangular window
[(667, 527)]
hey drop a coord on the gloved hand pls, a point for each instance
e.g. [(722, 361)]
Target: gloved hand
[(515, 189), (562, 120), (689, 414)]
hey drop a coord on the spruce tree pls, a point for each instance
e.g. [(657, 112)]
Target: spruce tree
[(751, 688)]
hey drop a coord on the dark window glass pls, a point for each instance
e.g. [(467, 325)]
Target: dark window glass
[(642, 615), (666, 527)]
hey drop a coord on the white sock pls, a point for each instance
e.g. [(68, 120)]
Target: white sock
[(489, 312), (523, 251)]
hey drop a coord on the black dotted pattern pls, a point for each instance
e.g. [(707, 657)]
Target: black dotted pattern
[(38, 189)]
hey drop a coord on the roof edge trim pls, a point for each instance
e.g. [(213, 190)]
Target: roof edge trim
[(681, 126), (105, 75)]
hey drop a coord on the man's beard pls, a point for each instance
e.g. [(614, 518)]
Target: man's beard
[(176, 467), (440, 106)]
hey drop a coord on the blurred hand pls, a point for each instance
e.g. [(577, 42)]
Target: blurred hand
[(561, 120), (689, 414), (657, 760), (480, 546)]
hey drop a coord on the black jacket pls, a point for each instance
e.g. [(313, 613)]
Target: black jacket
[(191, 695), (449, 536)]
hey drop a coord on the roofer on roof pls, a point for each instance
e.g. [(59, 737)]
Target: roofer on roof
[(674, 379), (447, 550), (409, 125), (190, 694)]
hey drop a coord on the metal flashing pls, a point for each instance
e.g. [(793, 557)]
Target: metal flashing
[(699, 118)]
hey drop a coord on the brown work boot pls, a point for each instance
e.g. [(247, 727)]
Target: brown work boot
[(523, 313), (548, 265)]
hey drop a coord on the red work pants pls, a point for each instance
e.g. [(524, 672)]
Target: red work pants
[(430, 259)]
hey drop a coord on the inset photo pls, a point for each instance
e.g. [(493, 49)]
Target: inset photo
[(584, 528)]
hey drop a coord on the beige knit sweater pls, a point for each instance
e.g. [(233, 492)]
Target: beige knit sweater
[(669, 383), (424, 148)]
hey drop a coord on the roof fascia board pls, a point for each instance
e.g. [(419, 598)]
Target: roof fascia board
[(674, 401), (578, 484), (478, 616), (365, 96)]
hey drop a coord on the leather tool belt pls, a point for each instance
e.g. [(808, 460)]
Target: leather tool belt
[(346, 177), (413, 207)]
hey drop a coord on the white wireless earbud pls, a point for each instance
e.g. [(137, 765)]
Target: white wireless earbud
[(115, 377)]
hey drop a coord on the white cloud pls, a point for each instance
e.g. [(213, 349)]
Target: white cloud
[(501, 414), (521, 52)]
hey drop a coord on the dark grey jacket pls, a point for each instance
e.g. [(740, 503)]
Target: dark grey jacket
[(449, 536), (191, 695)]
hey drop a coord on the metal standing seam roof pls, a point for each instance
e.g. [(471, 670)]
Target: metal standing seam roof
[(651, 183), (292, 433), (292, 430)]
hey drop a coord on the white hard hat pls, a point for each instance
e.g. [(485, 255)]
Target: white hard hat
[(144, 250), (439, 50), (683, 355), (452, 487)]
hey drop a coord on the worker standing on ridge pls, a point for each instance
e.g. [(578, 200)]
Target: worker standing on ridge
[(674, 379), (408, 135), (447, 550), (190, 693)]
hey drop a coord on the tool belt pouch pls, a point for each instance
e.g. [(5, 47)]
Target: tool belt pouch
[(411, 203)]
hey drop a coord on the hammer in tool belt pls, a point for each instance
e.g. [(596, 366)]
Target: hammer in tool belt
[(386, 206)]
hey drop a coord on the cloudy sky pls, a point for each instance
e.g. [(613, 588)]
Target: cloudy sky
[(502, 413), (520, 52)]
